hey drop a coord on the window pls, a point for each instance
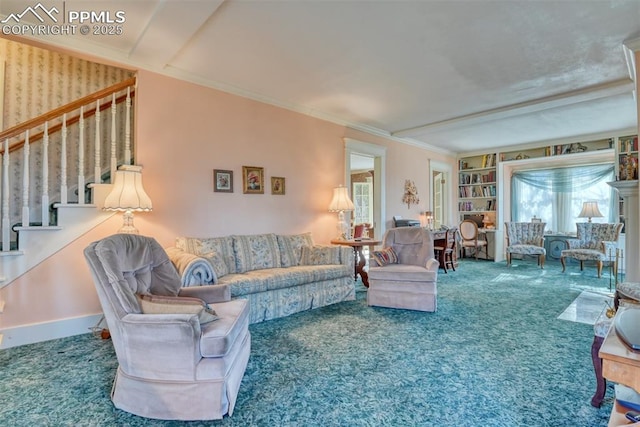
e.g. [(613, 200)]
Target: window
[(363, 201), (556, 195)]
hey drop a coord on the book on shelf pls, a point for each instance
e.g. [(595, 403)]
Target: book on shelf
[(628, 144), (488, 160)]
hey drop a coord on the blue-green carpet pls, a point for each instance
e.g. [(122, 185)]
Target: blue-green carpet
[(494, 354)]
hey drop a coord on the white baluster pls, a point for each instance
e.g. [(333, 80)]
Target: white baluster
[(114, 159), (25, 182), (45, 176), (6, 244), (127, 129), (81, 158), (97, 172), (63, 162)]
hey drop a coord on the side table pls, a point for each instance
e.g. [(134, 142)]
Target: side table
[(359, 260), (621, 365)]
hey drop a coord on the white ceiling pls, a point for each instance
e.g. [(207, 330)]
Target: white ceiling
[(455, 75)]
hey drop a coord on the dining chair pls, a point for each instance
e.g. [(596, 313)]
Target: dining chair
[(472, 238)]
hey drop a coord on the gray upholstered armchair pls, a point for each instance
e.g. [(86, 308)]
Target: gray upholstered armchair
[(525, 238), (404, 273), (171, 365), (596, 242)]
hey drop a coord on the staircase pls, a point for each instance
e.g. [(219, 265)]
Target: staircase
[(88, 145)]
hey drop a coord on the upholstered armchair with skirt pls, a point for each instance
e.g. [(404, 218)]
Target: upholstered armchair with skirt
[(595, 242), (525, 238), (403, 274), (182, 352)]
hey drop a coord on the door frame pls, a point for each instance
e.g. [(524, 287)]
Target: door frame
[(379, 154), (447, 170)]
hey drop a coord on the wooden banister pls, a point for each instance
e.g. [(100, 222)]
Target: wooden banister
[(70, 121), (58, 112)]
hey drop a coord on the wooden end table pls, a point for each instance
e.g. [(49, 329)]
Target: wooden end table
[(359, 260), (621, 365)]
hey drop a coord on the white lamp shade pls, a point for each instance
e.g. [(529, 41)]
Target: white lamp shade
[(590, 210), (341, 200), (128, 192)]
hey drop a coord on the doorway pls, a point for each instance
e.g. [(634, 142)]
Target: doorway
[(440, 174), (365, 162)]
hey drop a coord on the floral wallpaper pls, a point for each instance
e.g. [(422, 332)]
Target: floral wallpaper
[(37, 81)]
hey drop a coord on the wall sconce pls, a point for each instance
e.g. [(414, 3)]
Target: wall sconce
[(128, 195), (341, 203), (410, 193)]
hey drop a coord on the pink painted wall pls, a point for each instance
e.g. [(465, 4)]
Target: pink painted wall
[(183, 132), (222, 131)]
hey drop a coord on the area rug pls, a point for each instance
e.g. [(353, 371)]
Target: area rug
[(493, 355), (587, 307)]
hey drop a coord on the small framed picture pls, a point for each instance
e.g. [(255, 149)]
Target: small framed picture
[(253, 180), (222, 181), (277, 185)]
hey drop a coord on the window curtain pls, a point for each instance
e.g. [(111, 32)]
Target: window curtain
[(556, 195)]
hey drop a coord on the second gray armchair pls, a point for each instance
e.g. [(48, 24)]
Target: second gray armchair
[(404, 273)]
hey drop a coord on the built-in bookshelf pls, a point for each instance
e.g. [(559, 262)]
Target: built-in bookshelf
[(626, 166), (477, 184), (627, 158)]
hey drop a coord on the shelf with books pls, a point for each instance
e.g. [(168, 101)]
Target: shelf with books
[(627, 158), (477, 184)]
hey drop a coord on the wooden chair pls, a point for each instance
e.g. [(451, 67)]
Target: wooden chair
[(359, 230), (446, 254), (471, 238)]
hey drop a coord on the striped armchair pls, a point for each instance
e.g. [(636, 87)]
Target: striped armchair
[(526, 238), (595, 242)]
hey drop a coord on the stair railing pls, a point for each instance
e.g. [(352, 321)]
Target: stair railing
[(21, 137)]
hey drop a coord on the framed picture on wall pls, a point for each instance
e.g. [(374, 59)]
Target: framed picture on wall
[(253, 180), (222, 181), (277, 185)]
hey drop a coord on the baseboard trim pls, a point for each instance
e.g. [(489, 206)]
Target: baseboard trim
[(38, 332)]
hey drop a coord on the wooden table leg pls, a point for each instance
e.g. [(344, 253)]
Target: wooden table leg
[(601, 383), (360, 263), (355, 263)]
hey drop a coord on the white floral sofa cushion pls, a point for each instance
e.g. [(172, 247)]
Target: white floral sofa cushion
[(256, 252)]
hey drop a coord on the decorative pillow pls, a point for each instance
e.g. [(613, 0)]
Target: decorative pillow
[(385, 256), (156, 304), (256, 252), (320, 255), (217, 263), (290, 248)]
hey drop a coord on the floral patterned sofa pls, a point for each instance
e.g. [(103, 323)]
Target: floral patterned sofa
[(278, 274)]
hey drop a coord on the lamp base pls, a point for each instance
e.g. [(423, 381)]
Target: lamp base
[(343, 228), (127, 224)]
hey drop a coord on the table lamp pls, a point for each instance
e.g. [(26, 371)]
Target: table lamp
[(341, 203), (128, 195), (590, 210)]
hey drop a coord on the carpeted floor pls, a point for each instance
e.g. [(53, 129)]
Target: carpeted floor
[(494, 354)]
